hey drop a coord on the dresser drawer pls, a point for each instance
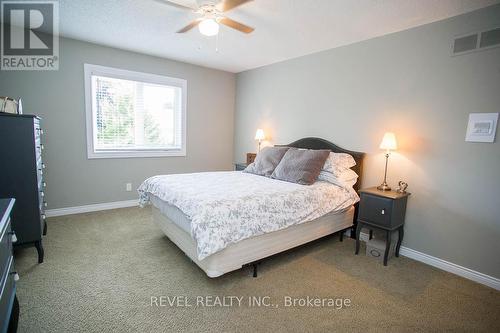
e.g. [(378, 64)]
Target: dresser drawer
[(7, 292), (375, 209), (5, 246)]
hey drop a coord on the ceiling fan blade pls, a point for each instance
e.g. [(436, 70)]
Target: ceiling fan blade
[(189, 26), (236, 25), (226, 5), (174, 4)]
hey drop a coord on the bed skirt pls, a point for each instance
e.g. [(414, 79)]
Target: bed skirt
[(252, 249)]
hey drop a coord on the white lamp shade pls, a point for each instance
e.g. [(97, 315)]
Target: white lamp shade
[(389, 142), (209, 27), (259, 135)]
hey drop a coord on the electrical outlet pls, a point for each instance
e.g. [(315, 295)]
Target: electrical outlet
[(128, 187)]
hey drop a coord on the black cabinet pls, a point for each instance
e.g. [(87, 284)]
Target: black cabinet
[(384, 210), (21, 177), (9, 306), (240, 166)]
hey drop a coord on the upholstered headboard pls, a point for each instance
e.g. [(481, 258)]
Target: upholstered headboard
[(317, 143)]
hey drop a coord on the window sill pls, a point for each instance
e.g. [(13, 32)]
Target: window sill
[(135, 154)]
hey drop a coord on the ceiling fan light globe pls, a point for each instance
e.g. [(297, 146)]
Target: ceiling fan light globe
[(209, 27)]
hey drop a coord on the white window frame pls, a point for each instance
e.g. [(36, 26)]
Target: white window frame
[(90, 70)]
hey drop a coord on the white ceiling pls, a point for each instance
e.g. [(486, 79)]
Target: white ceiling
[(284, 29)]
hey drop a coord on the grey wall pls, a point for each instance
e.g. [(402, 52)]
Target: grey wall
[(58, 97), (406, 82)]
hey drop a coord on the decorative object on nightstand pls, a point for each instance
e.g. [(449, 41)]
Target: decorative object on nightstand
[(383, 210), (240, 166), (259, 136), (251, 157), (402, 186), (388, 143)]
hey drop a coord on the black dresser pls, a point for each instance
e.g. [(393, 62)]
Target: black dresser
[(21, 177), (9, 306)]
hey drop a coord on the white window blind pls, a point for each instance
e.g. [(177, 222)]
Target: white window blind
[(134, 114)]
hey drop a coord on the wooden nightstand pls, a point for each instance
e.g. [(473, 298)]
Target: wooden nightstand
[(240, 166), (384, 210)]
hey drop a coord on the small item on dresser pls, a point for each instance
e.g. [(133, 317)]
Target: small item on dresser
[(402, 186), (19, 106), (9, 105), (251, 157)]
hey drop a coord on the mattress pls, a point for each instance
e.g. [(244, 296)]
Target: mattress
[(173, 213), (180, 219)]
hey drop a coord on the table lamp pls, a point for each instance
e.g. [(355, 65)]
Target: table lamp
[(388, 143), (259, 136)]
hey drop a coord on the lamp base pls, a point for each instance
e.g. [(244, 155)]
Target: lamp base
[(384, 187)]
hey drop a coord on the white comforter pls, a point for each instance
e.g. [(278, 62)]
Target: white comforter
[(227, 207)]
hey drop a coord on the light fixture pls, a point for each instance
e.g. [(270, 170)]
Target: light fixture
[(259, 136), (209, 27), (388, 143)]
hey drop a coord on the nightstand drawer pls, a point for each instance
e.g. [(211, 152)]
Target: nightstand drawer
[(375, 209)]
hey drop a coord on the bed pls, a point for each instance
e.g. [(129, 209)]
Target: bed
[(226, 220)]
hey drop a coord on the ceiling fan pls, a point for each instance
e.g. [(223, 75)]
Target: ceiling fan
[(212, 15)]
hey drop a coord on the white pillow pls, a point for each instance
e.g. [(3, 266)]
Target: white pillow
[(347, 178), (336, 163)]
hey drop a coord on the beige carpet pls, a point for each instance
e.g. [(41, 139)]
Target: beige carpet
[(101, 270)]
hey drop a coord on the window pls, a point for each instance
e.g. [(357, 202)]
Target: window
[(132, 114)]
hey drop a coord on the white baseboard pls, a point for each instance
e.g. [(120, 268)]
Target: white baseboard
[(91, 208), (464, 272)]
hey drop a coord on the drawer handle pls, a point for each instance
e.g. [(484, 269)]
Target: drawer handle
[(382, 212), (16, 276), (13, 236)]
